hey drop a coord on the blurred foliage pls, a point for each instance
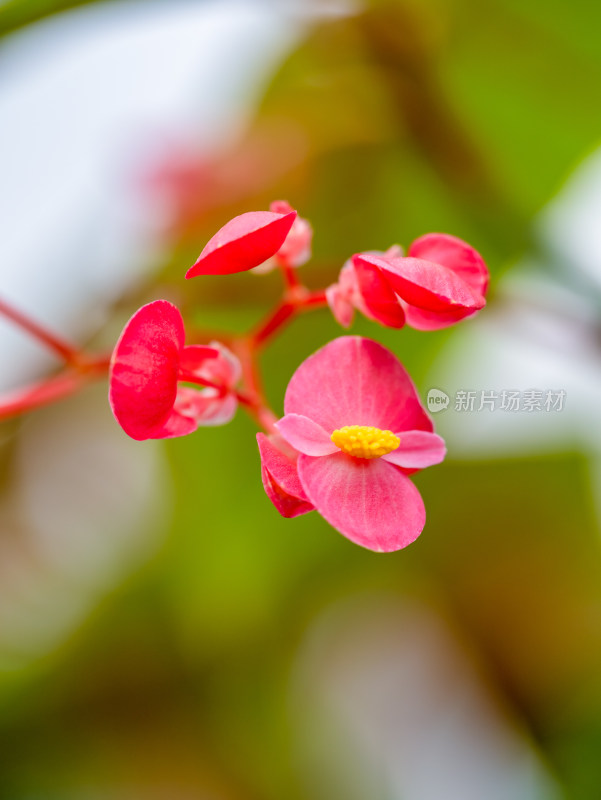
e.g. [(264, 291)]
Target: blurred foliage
[(444, 115), (15, 14)]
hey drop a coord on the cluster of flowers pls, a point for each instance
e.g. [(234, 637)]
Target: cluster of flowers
[(353, 428)]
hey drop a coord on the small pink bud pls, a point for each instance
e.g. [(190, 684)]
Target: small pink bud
[(296, 249), (243, 243), (441, 281)]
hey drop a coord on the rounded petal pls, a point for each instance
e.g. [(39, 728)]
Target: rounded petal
[(216, 410), (355, 381), (427, 285), (243, 243), (379, 300), (280, 479), (340, 306), (144, 370), (455, 254), (176, 425), (417, 450), (305, 435), (369, 501)]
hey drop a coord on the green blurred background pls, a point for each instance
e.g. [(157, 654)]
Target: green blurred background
[(163, 632)]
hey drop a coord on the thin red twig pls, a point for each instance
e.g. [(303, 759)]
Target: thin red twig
[(49, 390), (72, 355), (290, 277), (282, 314)]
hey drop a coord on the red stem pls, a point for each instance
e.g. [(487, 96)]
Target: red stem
[(66, 351), (253, 397), (314, 300), (282, 314), (260, 411), (296, 300), (50, 389), (290, 277)]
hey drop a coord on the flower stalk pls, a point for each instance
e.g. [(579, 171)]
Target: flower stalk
[(66, 351)]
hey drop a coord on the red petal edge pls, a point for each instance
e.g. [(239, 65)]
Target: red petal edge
[(280, 479)]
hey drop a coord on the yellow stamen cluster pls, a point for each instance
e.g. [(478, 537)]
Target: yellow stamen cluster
[(363, 441)]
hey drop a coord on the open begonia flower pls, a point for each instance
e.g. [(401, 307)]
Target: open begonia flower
[(243, 243), (353, 415), (148, 367)]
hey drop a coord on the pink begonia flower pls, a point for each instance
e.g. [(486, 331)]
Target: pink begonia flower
[(147, 366), (356, 421), (441, 281), (243, 243)]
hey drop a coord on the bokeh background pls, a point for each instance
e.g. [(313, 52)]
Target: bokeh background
[(164, 634)]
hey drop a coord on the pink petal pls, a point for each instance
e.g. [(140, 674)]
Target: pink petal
[(427, 285), (380, 301), (305, 435), (280, 207), (144, 370), (207, 406), (193, 357), (455, 254), (340, 306), (217, 411), (280, 479), (296, 249), (417, 450), (355, 381), (176, 425), (370, 501), (243, 243), (394, 251), (224, 370)]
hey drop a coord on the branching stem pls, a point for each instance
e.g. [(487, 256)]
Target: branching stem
[(81, 368)]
